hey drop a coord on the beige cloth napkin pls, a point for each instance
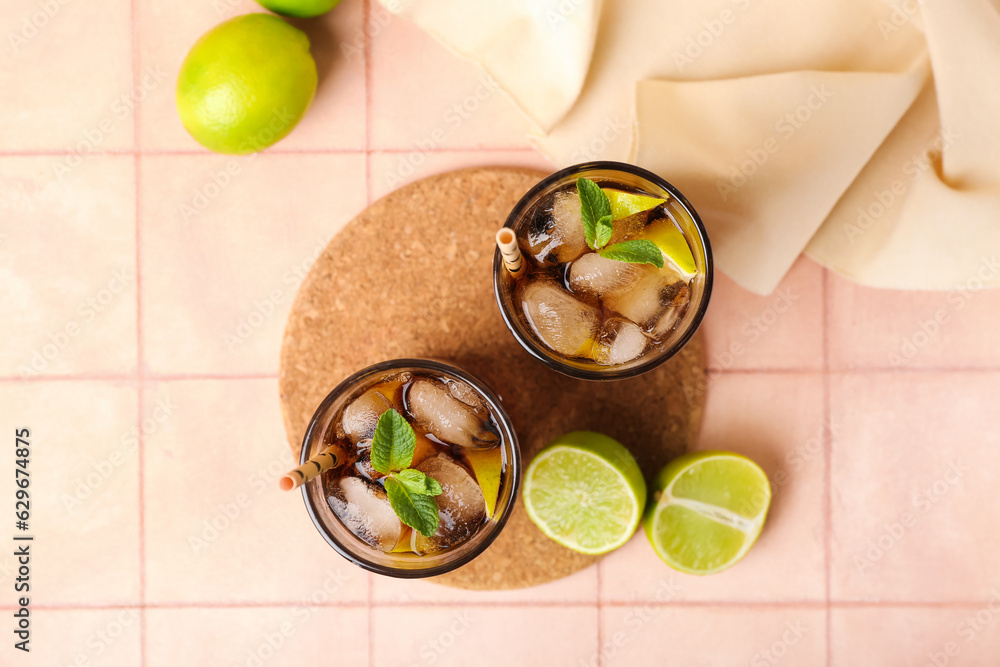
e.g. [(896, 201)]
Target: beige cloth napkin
[(865, 133)]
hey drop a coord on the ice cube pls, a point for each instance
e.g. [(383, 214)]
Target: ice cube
[(629, 228), (556, 233), (675, 309), (361, 416), (649, 298), (596, 276), (364, 508), (461, 505), (560, 321), (363, 463), (469, 396), (620, 341), (447, 418)]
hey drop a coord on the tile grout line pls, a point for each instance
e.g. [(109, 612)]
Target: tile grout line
[(367, 57), (140, 392), (163, 152), (174, 377), (818, 604), (827, 472)]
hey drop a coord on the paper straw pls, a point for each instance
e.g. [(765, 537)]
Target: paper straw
[(329, 458), (510, 252)]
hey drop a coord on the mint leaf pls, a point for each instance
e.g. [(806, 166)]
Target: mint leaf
[(416, 510), (393, 444), (418, 482), (604, 231), (636, 252), (594, 208)]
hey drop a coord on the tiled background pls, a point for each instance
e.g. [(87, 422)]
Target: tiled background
[(143, 293)]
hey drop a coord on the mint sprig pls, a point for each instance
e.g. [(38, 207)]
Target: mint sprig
[(595, 209), (640, 251), (409, 490)]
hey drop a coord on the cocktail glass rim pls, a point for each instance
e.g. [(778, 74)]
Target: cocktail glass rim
[(533, 346), (500, 515)]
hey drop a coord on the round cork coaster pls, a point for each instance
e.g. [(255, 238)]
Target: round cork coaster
[(412, 277)]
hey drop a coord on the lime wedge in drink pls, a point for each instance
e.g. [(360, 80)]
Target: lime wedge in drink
[(487, 465), (586, 492), (709, 509), (624, 204), (673, 245)]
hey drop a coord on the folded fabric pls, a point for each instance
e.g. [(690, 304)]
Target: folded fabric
[(863, 132)]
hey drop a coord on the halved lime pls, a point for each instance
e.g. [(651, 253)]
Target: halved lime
[(586, 492), (624, 204), (671, 242), (709, 509)]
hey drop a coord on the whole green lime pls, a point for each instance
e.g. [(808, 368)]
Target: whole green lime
[(301, 9), (246, 84)]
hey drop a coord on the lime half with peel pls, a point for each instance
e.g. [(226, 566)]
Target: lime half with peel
[(624, 204), (709, 510), (586, 492)]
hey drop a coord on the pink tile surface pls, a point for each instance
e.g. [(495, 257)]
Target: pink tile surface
[(390, 171), (83, 493), (448, 102), (201, 523), (576, 588), (913, 515), (706, 636), (158, 414), (66, 76), (224, 265), (935, 637), (895, 329), (67, 265), (456, 636), (783, 330), (278, 636), (106, 637)]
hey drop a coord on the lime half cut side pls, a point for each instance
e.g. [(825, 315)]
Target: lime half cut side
[(709, 509), (586, 492)]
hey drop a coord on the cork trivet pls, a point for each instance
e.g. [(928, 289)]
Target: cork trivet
[(412, 277)]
